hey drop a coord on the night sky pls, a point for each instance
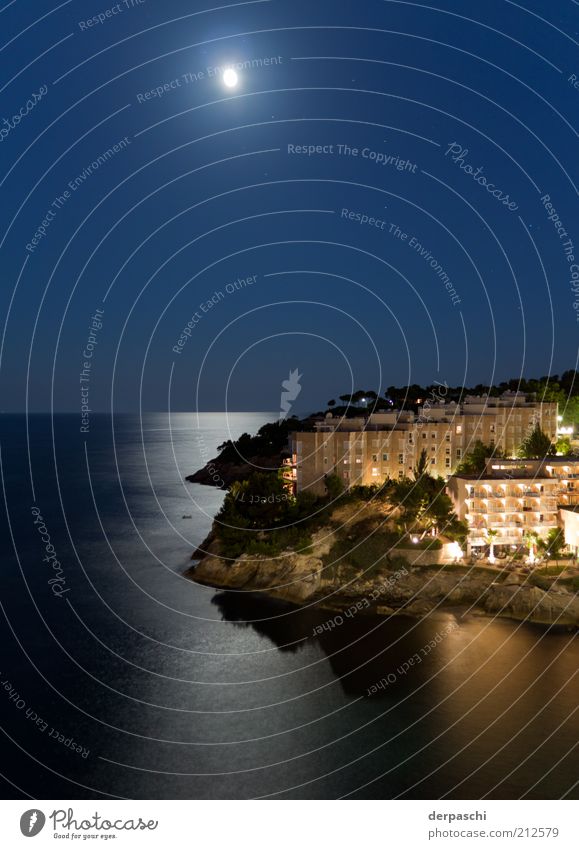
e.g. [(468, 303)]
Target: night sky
[(388, 196)]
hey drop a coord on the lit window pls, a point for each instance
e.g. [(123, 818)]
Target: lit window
[(459, 428), (375, 472)]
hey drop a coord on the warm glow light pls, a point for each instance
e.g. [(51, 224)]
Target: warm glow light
[(455, 550), (230, 78)]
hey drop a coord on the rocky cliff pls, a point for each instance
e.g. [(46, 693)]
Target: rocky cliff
[(395, 587)]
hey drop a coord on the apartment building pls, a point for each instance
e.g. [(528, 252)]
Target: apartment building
[(367, 450), (515, 497)]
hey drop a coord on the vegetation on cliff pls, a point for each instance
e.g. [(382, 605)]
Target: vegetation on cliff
[(260, 516), (238, 458)]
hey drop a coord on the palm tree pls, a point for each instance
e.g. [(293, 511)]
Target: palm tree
[(491, 534), (531, 538)]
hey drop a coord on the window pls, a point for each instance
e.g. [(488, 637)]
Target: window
[(401, 458), (447, 451), (358, 459), (433, 461), (325, 461), (375, 472), (492, 428), (433, 436), (433, 447), (401, 473), (447, 437), (385, 458), (459, 428), (374, 458), (447, 463), (424, 436), (458, 453)]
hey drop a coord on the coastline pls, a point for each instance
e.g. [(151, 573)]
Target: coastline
[(397, 589)]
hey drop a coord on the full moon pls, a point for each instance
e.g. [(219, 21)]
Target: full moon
[(230, 78)]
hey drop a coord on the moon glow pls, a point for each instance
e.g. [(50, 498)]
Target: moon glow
[(230, 78)]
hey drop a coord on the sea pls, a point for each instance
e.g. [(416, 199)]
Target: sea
[(120, 677)]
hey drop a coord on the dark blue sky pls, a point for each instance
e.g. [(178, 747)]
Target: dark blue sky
[(202, 190)]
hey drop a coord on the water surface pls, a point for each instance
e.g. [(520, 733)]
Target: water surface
[(179, 691)]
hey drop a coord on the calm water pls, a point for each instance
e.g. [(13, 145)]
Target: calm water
[(182, 692)]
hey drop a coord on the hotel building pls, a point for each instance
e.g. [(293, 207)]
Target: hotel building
[(515, 497), (368, 450)]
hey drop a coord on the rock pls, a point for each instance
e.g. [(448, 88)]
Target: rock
[(399, 588)]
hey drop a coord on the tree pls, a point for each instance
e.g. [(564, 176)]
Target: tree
[(423, 505), (358, 396), (474, 462), (421, 467), (531, 538), (334, 486), (536, 445), (563, 445), (491, 534), (261, 501), (332, 403), (553, 543)]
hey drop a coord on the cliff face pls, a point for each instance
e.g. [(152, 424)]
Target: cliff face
[(398, 587)]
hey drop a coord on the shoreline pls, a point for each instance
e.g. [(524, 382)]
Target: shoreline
[(414, 591)]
